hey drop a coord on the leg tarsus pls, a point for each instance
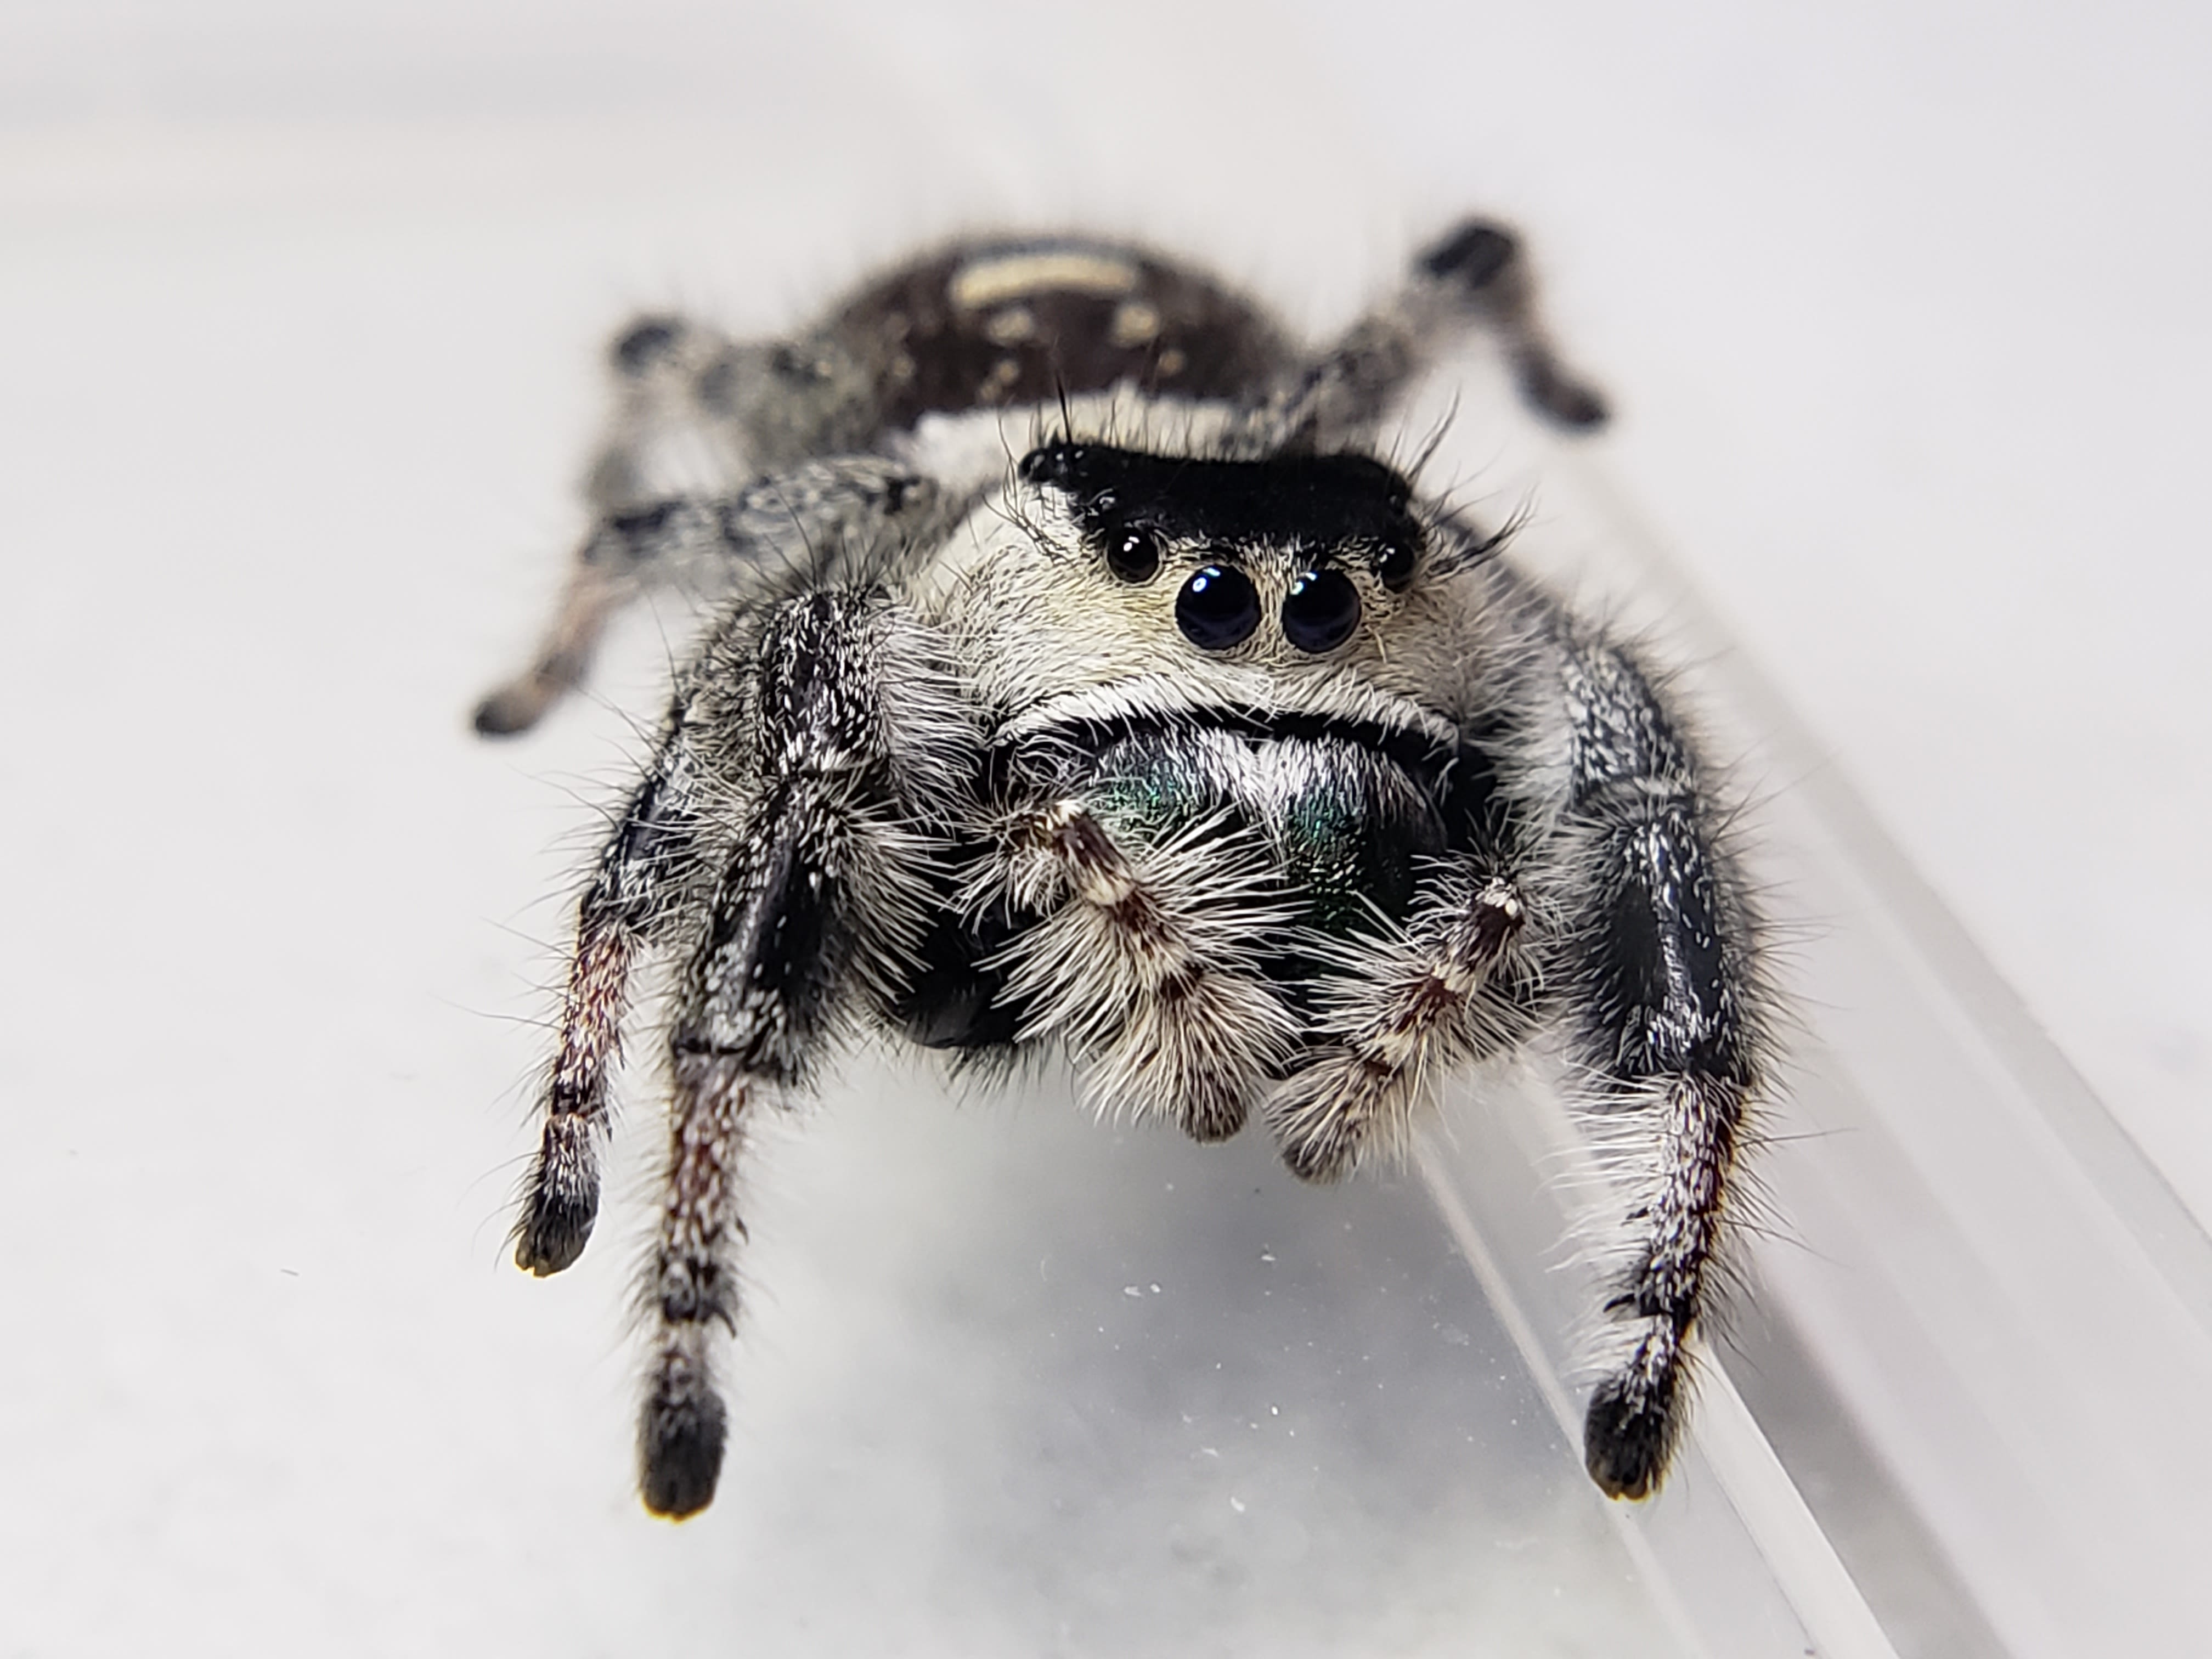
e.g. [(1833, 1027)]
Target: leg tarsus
[(563, 657), (1634, 1420), (561, 1195), (1634, 1414), (562, 1200), (692, 1289), (1548, 387), (682, 1431)]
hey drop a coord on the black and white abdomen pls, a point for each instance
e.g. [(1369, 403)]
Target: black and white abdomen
[(995, 324)]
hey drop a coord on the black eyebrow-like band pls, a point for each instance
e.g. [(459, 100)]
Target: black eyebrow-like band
[(1324, 499)]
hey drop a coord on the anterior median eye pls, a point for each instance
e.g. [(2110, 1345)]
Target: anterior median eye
[(1218, 608), (1321, 611), (1133, 554)]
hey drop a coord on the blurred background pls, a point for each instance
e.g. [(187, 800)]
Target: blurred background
[(1903, 307)]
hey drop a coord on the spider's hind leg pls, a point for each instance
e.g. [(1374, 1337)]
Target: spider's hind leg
[(1474, 277), (813, 522), (1484, 268), (669, 428)]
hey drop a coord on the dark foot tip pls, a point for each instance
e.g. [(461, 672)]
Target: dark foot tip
[(1319, 1164), (1474, 255), (1213, 1120), (561, 1200), (508, 711), (1626, 1444), (682, 1454), (643, 343), (551, 1238), (1569, 404)]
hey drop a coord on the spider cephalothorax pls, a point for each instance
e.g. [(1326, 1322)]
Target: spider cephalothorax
[(1213, 756)]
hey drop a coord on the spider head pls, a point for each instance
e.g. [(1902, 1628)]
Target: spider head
[(1207, 589), (1277, 559)]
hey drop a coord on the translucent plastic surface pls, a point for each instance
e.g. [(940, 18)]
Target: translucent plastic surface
[(1980, 1318), (1071, 1389)]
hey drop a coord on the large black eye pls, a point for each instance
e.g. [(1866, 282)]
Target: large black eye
[(1133, 554), (1218, 608), (1320, 612)]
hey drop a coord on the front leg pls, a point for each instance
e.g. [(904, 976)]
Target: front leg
[(1661, 975), (818, 522), (845, 738), (785, 839)]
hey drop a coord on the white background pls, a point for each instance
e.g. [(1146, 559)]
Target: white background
[(1904, 307)]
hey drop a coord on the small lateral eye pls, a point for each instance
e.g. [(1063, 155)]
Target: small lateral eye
[(1321, 611), (1218, 608), (1053, 462), (1395, 570), (1133, 554)]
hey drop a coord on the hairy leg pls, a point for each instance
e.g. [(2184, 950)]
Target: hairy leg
[(1662, 976), (635, 891), (662, 365), (837, 736), (1477, 276), (819, 521)]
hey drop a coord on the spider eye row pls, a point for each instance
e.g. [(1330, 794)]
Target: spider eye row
[(1218, 607)]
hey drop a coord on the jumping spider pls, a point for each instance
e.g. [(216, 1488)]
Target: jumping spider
[(1194, 740)]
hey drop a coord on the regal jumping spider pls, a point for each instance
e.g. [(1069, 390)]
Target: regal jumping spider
[(1193, 739)]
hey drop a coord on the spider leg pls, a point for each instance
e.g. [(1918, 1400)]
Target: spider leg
[(820, 520), (1663, 983), (1477, 276), (759, 996), (1438, 996), (661, 364), (1149, 968), (589, 598), (635, 891), (845, 733)]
